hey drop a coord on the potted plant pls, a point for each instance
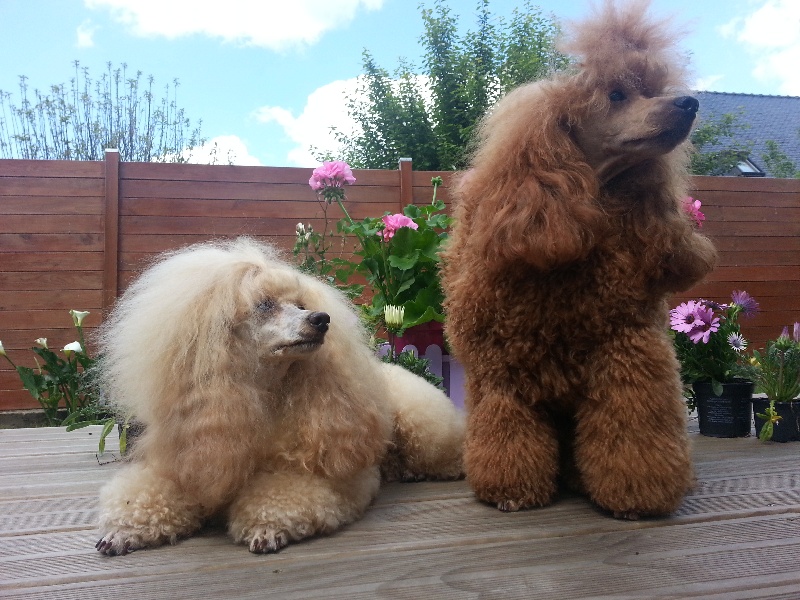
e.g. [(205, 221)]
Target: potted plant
[(776, 374), (398, 254), (62, 384), (709, 345)]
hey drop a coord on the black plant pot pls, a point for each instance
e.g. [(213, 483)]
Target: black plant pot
[(786, 429), (726, 415)]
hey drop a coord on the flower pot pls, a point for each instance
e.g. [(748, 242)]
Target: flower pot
[(785, 430), (727, 415), (422, 336)]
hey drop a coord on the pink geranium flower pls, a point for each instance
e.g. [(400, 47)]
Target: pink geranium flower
[(333, 173), (394, 222), (692, 207)]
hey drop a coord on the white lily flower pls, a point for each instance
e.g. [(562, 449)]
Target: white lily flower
[(78, 316), (42, 342), (73, 347), (300, 229)]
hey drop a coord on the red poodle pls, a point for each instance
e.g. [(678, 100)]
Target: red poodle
[(569, 239)]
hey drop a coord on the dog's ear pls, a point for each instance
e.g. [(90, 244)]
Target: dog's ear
[(530, 195)]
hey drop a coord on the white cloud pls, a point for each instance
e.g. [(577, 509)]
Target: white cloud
[(705, 84), (325, 108), (270, 24), (772, 35), (85, 34), (222, 150)]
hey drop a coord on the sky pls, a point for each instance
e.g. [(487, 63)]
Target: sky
[(269, 78)]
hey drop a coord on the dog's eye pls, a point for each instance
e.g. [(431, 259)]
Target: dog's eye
[(617, 96), (301, 307), (266, 305)]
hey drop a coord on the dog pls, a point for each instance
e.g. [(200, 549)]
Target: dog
[(262, 403), (569, 239)]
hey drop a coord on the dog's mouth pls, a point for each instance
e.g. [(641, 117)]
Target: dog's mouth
[(300, 347)]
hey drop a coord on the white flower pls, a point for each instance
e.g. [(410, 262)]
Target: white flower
[(42, 342), (393, 315), (300, 229), (78, 316), (2, 350), (73, 347)]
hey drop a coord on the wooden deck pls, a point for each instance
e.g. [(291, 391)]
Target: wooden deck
[(737, 536)]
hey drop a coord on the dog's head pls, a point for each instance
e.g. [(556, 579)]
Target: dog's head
[(279, 317), (219, 314), (629, 100)]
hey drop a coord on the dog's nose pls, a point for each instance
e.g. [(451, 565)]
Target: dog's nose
[(319, 321), (687, 103)]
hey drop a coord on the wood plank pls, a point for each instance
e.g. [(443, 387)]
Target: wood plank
[(49, 205), (289, 209), (55, 187), (51, 168), (45, 262), (747, 184), (51, 242), (236, 173), (55, 223), (50, 280)]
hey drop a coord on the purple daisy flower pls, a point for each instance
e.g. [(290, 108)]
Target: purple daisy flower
[(796, 332), (684, 317), (745, 302), (704, 326), (737, 342)]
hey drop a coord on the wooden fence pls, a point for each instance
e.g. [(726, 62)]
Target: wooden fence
[(73, 234)]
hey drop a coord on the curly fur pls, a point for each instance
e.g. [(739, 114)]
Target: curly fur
[(569, 238), (254, 407)]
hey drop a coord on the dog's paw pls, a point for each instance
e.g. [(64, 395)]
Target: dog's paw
[(626, 515), (119, 543), (266, 540)]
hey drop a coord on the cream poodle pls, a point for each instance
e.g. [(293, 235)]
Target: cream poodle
[(262, 402), (570, 237)]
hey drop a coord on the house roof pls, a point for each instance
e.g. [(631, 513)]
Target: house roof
[(768, 118)]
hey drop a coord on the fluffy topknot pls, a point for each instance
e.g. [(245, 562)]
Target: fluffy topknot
[(620, 44)]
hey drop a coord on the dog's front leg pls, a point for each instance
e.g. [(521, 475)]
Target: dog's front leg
[(277, 508), (142, 508), (511, 449)]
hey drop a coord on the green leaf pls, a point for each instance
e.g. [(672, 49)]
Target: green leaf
[(766, 432), (107, 428), (404, 263), (716, 387)]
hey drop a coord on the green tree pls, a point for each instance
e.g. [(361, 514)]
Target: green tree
[(778, 163), (79, 121), (716, 149), (430, 115)]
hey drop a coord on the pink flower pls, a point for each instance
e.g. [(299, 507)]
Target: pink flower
[(334, 173), (394, 222), (705, 324), (692, 207), (684, 317)]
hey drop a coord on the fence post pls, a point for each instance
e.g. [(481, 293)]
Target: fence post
[(406, 183), (111, 230)]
